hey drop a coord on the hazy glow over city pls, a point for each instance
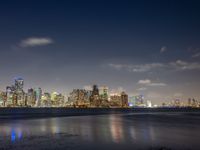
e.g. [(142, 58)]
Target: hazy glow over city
[(151, 50)]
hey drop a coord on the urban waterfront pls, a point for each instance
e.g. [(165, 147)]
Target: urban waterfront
[(92, 97), (99, 75), (156, 130)]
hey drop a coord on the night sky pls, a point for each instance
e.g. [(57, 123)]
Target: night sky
[(143, 47)]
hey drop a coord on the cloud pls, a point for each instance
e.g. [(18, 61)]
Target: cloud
[(163, 49), (117, 66), (178, 65), (142, 89), (137, 68), (35, 41), (196, 55), (157, 84), (183, 65), (148, 82)]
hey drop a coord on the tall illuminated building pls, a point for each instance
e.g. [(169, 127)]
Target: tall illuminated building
[(131, 101), (31, 97), (2, 98), (115, 100), (79, 98), (124, 99), (95, 100), (46, 100), (19, 84), (57, 99), (38, 96), (103, 92), (139, 101), (149, 104), (9, 96)]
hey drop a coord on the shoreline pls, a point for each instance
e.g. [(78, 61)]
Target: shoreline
[(21, 112)]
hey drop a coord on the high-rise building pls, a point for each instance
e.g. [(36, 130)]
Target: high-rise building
[(31, 97), (131, 101), (46, 100), (95, 100), (79, 98), (124, 99), (149, 104), (115, 100), (139, 101), (15, 94), (38, 96), (103, 92), (57, 99), (2, 98), (19, 84), (9, 96)]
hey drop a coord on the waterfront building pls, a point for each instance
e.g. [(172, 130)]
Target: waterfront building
[(149, 104), (19, 84), (3, 99), (124, 99), (79, 98), (103, 92), (176, 103), (95, 100), (139, 101), (9, 96), (57, 99), (46, 100), (115, 100), (131, 101), (31, 97), (38, 96)]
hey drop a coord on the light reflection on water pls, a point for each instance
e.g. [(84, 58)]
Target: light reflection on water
[(115, 129)]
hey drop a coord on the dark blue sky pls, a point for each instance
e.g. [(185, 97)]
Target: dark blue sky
[(148, 47)]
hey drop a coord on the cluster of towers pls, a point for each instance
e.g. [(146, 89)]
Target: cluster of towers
[(97, 97), (15, 96)]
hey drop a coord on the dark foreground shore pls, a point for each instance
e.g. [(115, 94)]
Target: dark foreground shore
[(60, 112)]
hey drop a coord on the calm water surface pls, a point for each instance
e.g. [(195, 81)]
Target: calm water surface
[(127, 131)]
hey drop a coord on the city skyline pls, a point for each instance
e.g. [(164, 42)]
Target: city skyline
[(141, 47), (93, 96)]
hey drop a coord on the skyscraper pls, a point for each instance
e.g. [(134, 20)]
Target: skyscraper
[(103, 92), (38, 94), (124, 99), (94, 98), (19, 84)]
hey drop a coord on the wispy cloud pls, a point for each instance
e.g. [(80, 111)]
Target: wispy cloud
[(183, 65), (157, 84), (148, 82), (178, 65), (196, 55), (142, 89), (163, 49), (35, 41), (137, 68)]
